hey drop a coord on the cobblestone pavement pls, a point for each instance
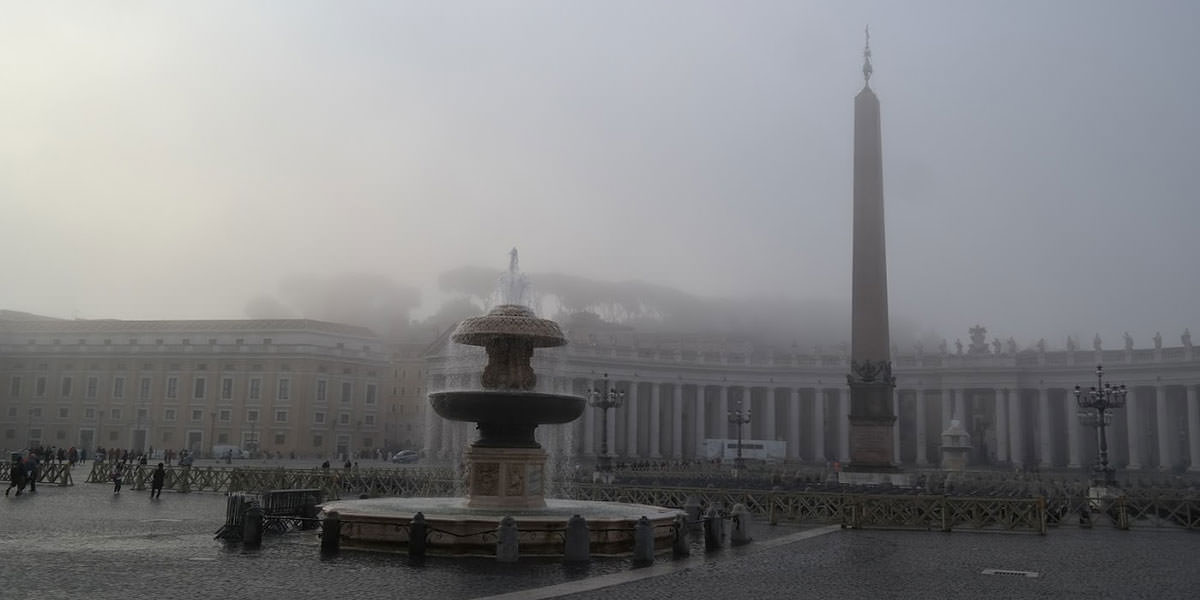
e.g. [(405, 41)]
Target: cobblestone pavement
[(83, 541)]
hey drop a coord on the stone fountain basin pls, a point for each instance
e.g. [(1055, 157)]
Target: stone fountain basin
[(507, 407), (381, 524)]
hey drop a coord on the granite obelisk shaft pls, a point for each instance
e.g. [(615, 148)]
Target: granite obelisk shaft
[(870, 379)]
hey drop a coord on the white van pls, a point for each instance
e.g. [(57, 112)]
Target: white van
[(221, 452)]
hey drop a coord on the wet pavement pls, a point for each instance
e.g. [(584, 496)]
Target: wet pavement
[(83, 541)]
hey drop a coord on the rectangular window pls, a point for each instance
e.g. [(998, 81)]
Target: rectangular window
[(369, 420), (169, 414), (280, 439), (256, 388), (225, 415), (144, 389), (39, 387), (252, 415), (317, 441), (320, 390), (172, 388), (143, 414), (167, 436), (198, 388), (36, 412), (116, 414), (14, 386), (347, 391), (118, 387), (281, 416), (65, 388), (93, 388), (89, 413), (197, 415), (227, 388), (223, 438), (12, 411), (114, 435), (285, 388), (367, 442), (370, 393), (344, 418), (64, 413), (319, 418)]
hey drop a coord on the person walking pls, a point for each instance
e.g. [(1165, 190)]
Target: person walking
[(117, 475), (16, 477), (156, 481), (31, 472)]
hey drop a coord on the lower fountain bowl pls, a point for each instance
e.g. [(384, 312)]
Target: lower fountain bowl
[(381, 524), (507, 418)]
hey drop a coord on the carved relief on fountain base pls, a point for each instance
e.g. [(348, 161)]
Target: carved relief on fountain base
[(505, 477)]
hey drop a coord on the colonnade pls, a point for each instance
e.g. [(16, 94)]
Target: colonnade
[(1010, 425)]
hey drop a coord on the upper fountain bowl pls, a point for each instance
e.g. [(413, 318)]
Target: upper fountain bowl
[(509, 321)]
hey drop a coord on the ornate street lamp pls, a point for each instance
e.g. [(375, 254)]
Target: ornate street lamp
[(739, 416), (1102, 398), (604, 400)]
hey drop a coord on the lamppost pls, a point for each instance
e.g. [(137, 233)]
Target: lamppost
[(1102, 398), (212, 428), (604, 400), (739, 416)]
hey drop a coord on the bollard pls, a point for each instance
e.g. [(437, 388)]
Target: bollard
[(139, 480), (252, 527), (741, 526), (679, 545), (692, 507), (713, 529), (416, 535), (331, 532), (577, 540), (643, 542), (507, 546)]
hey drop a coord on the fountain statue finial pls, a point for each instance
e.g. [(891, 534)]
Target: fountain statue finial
[(512, 260)]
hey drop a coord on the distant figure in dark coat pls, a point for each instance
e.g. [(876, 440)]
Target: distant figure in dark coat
[(16, 478), (156, 481), (117, 475)]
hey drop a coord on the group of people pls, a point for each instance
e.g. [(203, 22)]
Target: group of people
[(157, 477), (22, 472)]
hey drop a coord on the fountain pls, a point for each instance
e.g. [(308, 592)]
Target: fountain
[(505, 465)]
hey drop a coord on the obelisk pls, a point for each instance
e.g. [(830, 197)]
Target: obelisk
[(870, 379)]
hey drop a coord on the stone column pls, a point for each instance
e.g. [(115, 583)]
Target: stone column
[(1193, 412), (843, 426), (1074, 433), (1016, 427), (1002, 428), (1133, 431), (818, 427), (1166, 457), (610, 433), (960, 407), (896, 426), (589, 423), (1045, 453), (793, 435), (631, 422), (655, 424), (947, 408), (922, 438), (769, 418), (723, 414), (677, 422), (701, 422)]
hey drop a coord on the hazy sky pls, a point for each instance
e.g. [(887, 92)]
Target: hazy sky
[(174, 160)]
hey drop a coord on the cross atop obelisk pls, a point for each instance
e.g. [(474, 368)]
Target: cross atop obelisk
[(870, 378)]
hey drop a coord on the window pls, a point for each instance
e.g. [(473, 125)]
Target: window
[(370, 393), (39, 387), (367, 442), (144, 389), (317, 440), (167, 436), (60, 435), (222, 438), (227, 388), (285, 388), (36, 412), (347, 391), (198, 388), (369, 420), (252, 415), (114, 436), (281, 416), (14, 386), (280, 439), (65, 388), (143, 414), (197, 415), (172, 388), (344, 418), (64, 412), (89, 413), (225, 415), (116, 414), (319, 418), (320, 390), (118, 387), (169, 414), (12, 433), (256, 388), (12, 411), (93, 387)]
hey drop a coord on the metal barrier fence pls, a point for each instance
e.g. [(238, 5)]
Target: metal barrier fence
[(55, 473)]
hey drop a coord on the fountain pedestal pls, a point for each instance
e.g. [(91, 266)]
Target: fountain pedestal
[(505, 477)]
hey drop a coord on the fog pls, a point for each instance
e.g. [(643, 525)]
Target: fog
[(232, 159)]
